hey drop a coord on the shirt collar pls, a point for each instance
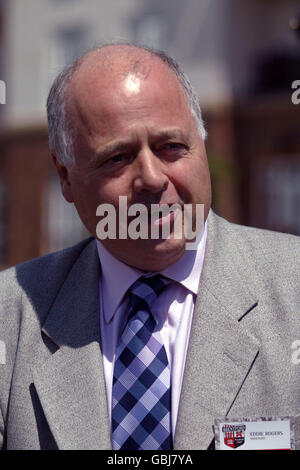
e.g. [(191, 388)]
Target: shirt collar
[(187, 269), (117, 277)]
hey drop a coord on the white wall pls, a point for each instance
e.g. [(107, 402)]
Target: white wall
[(214, 40), (31, 47)]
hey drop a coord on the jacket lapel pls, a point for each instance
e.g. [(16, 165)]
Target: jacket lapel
[(221, 351), (70, 385)]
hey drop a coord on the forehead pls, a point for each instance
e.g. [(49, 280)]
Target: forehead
[(116, 62), (106, 90)]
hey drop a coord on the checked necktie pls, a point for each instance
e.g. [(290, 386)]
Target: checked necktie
[(141, 394)]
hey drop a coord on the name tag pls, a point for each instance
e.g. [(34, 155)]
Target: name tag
[(254, 433)]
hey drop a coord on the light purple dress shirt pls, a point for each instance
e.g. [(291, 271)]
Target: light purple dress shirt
[(173, 310)]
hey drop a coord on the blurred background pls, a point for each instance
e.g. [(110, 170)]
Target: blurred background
[(242, 58)]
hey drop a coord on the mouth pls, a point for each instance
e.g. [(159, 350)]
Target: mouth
[(159, 214), (164, 214)]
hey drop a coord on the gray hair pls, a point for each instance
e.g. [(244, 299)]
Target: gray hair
[(59, 124)]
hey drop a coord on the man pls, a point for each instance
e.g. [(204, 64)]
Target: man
[(123, 121)]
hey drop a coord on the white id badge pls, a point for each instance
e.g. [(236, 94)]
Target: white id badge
[(255, 433)]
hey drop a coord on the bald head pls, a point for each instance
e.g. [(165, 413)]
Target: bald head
[(100, 71), (114, 75), (117, 60), (100, 66)]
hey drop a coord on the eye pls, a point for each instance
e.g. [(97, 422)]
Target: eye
[(118, 158), (117, 162), (174, 146), (174, 149)]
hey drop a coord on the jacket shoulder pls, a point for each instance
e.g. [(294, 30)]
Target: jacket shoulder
[(260, 241), (39, 275), (263, 257)]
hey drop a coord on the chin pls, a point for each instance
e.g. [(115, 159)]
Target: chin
[(160, 256), (146, 255)]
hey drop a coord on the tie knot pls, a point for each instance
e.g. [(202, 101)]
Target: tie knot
[(145, 290)]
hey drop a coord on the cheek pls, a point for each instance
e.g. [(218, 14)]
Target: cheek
[(200, 172), (85, 196), (192, 180), (110, 190)]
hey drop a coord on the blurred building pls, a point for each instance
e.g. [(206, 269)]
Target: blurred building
[(242, 58)]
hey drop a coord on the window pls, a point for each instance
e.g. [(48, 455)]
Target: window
[(64, 45), (275, 195), (67, 45), (283, 195), (150, 30)]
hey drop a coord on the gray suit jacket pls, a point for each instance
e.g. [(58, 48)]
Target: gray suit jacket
[(239, 362)]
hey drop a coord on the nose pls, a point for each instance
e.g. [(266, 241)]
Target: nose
[(149, 174)]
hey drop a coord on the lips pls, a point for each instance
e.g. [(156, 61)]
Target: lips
[(157, 213), (165, 213), (168, 218), (162, 209)]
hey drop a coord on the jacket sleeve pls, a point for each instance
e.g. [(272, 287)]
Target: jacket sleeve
[(10, 314)]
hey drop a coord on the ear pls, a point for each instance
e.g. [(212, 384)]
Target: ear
[(63, 174)]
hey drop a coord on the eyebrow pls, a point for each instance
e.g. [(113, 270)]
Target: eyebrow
[(109, 149), (118, 145), (170, 133)]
